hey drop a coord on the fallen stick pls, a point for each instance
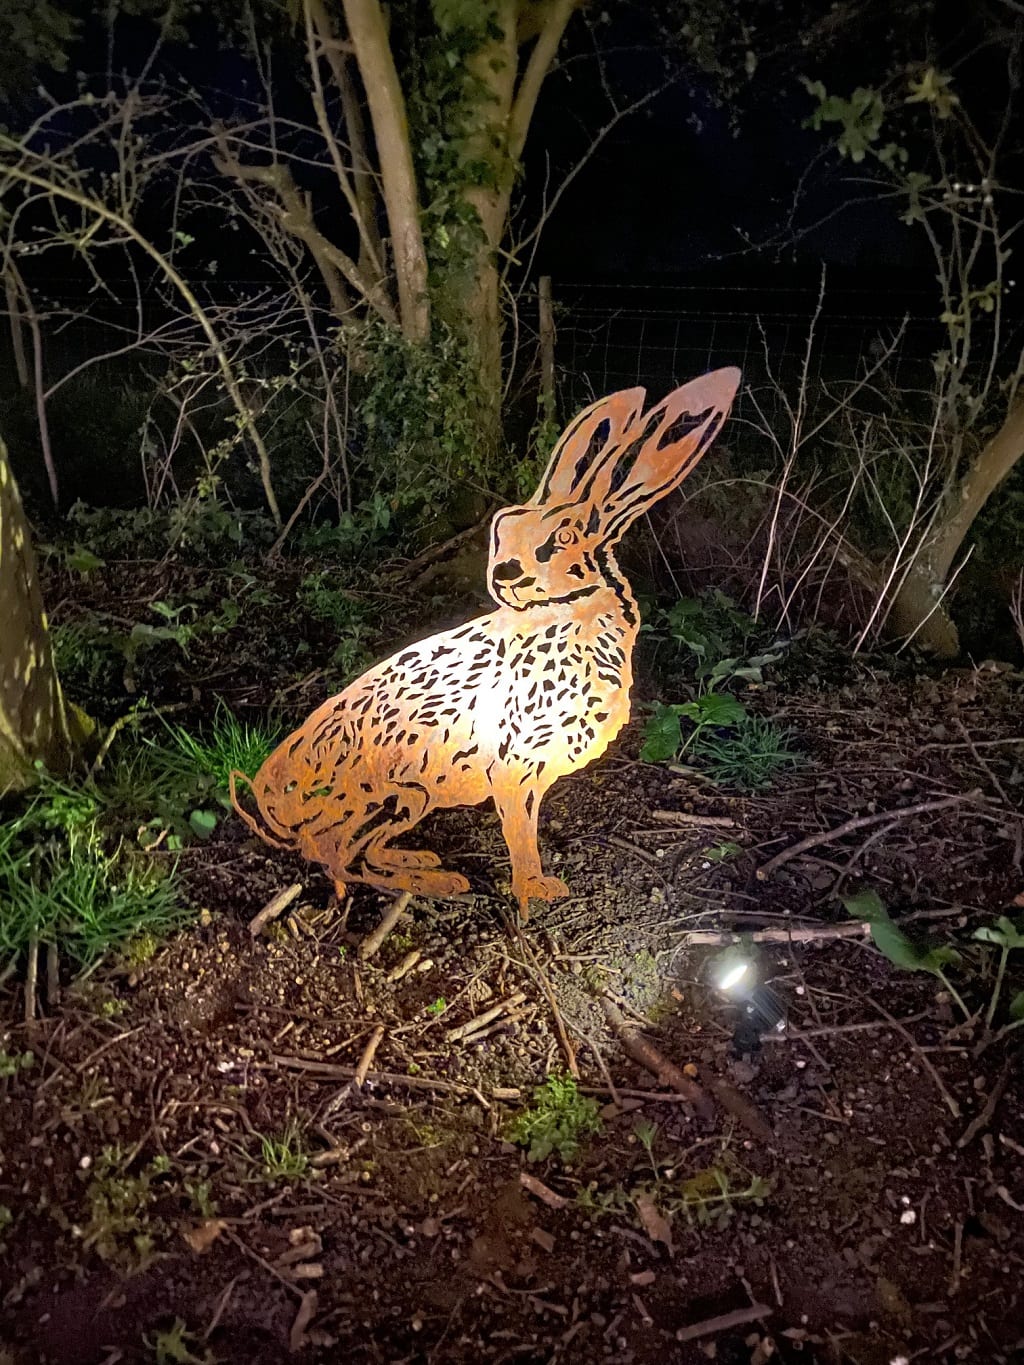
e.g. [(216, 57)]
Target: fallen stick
[(366, 1060), (488, 1016), (984, 1118), (829, 836), (543, 1192), (730, 1099), (335, 1071), (405, 966), (305, 1315), (31, 971), (648, 1056), (371, 944), (683, 817), (711, 1326), (852, 929), (274, 907)]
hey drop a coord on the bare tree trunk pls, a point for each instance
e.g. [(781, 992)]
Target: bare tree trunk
[(369, 35), (34, 721), (504, 114), (914, 609)]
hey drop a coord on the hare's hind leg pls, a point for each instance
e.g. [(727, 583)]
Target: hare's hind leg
[(406, 869)]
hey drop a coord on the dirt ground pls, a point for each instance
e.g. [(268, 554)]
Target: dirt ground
[(193, 1171)]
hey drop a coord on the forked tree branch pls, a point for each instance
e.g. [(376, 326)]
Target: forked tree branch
[(368, 31), (559, 12)]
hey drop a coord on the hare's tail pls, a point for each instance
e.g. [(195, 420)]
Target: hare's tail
[(259, 830)]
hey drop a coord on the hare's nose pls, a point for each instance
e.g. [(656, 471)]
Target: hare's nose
[(505, 573)]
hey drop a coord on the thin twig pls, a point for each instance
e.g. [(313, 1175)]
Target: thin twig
[(981, 1121), (724, 1323), (455, 1035), (982, 763), (244, 1247), (533, 966), (371, 944), (366, 1060), (862, 822), (277, 904), (940, 1084), (336, 1072)]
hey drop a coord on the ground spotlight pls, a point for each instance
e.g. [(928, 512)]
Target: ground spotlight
[(734, 974)]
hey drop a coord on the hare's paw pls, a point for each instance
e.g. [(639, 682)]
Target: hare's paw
[(434, 885), (541, 889), (437, 885)]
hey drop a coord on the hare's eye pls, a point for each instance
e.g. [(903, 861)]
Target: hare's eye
[(566, 537)]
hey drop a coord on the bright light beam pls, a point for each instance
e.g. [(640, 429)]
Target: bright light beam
[(733, 975)]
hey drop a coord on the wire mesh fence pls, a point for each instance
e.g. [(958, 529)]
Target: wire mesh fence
[(614, 337)]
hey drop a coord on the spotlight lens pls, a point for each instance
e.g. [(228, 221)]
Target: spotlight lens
[(733, 975)]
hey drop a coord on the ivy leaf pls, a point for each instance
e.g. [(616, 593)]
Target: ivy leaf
[(84, 561), (892, 942), (202, 823)]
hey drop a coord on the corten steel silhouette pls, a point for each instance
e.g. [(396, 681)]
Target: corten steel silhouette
[(508, 703)]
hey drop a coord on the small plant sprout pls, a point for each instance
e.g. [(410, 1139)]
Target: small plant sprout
[(721, 852), (733, 748), (284, 1157), (557, 1122), (1006, 936), (174, 1346), (646, 1132), (893, 943), (437, 1007)]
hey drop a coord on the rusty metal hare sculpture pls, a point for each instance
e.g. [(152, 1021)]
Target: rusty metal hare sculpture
[(505, 705)]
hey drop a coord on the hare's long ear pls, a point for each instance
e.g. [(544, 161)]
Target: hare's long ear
[(585, 446), (662, 447)]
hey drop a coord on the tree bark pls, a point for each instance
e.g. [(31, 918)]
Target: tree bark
[(369, 35), (34, 720), (504, 113), (914, 609)]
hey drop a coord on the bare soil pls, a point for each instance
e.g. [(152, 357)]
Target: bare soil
[(856, 1193)]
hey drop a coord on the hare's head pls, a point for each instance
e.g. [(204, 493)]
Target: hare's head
[(610, 465)]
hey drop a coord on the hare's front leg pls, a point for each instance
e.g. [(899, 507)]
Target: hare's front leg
[(518, 805)]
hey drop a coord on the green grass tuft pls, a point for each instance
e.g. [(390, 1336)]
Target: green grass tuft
[(229, 743), (63, 882)]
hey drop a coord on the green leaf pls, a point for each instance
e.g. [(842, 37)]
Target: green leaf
[(662, 735), (1004, 933), (892, 942), (720, 852), (1017, 1006), (934, 959), (84, 561), (714, 708), (867, 906), (202, 823)]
